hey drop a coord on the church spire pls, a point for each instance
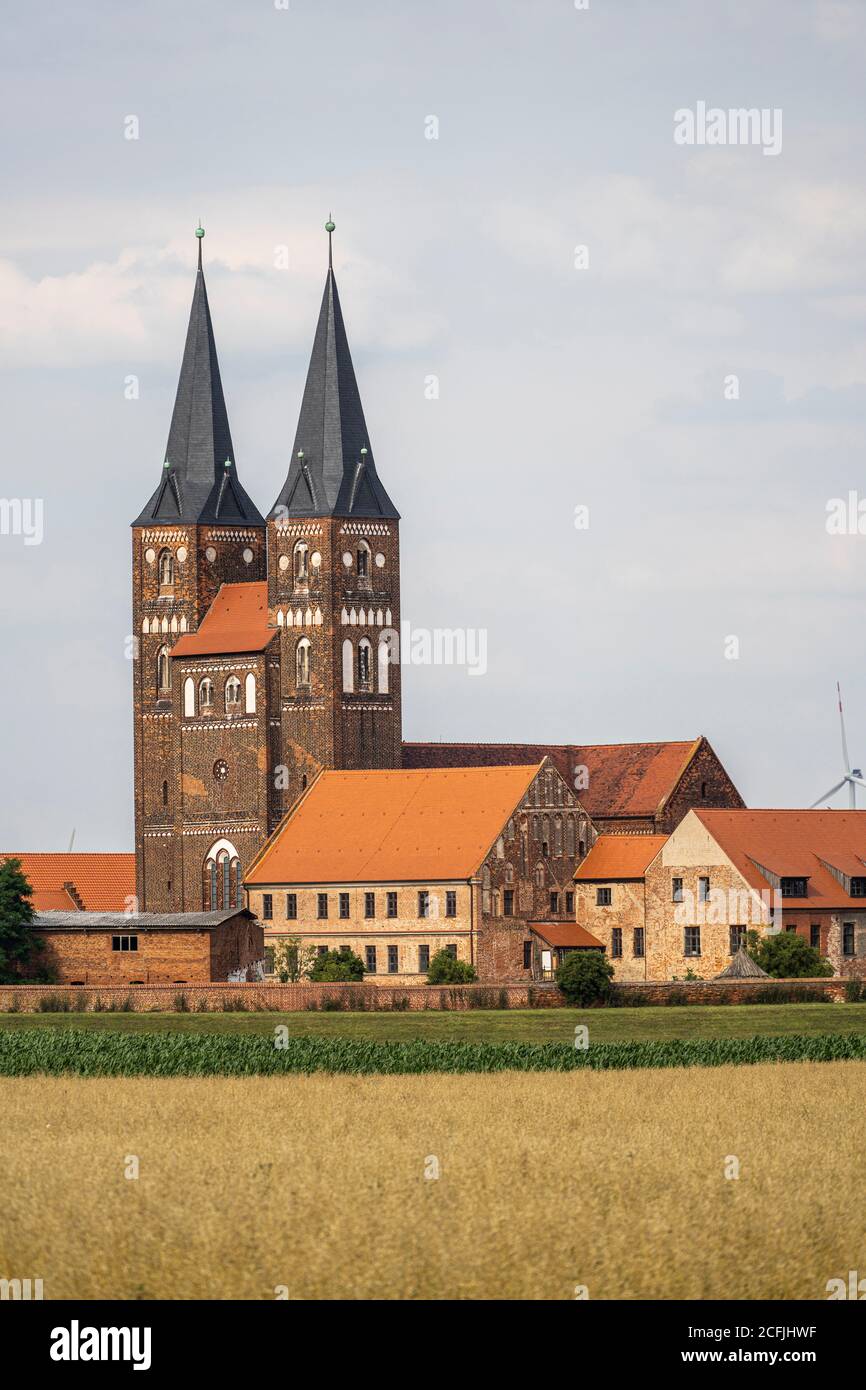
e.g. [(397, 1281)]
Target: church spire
[(199, 482), (332, 472)]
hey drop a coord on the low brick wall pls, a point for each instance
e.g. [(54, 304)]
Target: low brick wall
[(276, 998)]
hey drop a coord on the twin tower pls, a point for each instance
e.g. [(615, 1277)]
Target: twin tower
[(265, 648)]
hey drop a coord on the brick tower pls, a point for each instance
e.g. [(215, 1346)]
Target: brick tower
[(333, 581), (199, 531)]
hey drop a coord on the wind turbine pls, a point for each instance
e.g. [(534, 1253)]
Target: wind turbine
[(853, 776)]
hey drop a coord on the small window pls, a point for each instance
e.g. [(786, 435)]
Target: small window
[(344, 904), (791, 926), (858, 888), (267, 906), (166, 569), (692, 941), (703, 890), (393, 960), (124, 943), (205, 694), (392, 904), (451, 903), (165, 793), (616, 942), (737, 938), (792, 887), (370, 959), (233, 691), (815, 936), (451, 948), (365, 664), (545, 849), (848, 938), (554, 901), (569, 902), (703, 790), (638, 945), (292, 906), (602, 897), (321, 950), (163, 670), (363, 561), (369, 904), (527, 955), (676, 890), (508, 902), (301, 562), (423, 959), (303, 663), (424, 903), (322, 907)]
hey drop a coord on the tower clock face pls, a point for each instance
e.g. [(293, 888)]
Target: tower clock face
[(221, 769)]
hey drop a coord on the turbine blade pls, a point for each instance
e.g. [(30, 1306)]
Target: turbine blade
[(832, 792), (842, 723)]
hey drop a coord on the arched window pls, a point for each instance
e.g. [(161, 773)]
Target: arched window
[(303, 662), (166, 569), (569, 836), (236, 878), (189, 697), (233, 691), (212, 875), (384, 663), (163, 669), (363, 558), (301, 560), (485, 889), (225, 864), (365, 652), (205, 694), (348, 666), (250, 694), (165, 793)]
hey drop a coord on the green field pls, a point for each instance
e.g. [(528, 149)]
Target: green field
[(517, 1025)]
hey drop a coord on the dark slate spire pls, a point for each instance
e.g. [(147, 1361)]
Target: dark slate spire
[(198, 482), (332, 472)]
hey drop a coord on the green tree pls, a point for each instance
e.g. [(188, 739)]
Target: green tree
[(17, 943), (334, 967), (445, 969), (585, 977), (292, 959), (787, 956)]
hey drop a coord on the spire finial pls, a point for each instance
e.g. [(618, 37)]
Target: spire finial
[(199, 231), (329, 228)]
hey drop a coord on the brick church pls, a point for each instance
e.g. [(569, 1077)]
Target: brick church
[(268, 646)]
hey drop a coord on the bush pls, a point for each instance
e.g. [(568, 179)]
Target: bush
[(181, 1003), (445, 969), (853, 991), (585, 978), (787, 956), (335, 967), (54, 1004)]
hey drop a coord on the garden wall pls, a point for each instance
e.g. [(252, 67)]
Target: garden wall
[(279, 998)]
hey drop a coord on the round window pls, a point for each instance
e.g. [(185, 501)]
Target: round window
[(221, 769)]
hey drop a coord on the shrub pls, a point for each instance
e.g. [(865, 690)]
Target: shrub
[(54, 1004), (787, 956), (234, 1005), (445, 969), (400, 1003), (334, 967), (585, 978), (181, 1003), (332, 1003), (853, 991)]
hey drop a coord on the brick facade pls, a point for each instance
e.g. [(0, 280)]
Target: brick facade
[(194, 954)]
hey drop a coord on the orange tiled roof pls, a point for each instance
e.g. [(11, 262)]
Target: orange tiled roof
[(392, 827), (793, 844), (620, 856), (237, 621), (102, 882), (625, 779), (565, 934)]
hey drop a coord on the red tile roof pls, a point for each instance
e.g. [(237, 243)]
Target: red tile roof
[(619, 857), (392, 826), (101, 882), (625, 779), (237, 621), (794, 844), (565, 934)]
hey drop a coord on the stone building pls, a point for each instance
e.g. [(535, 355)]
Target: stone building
[(721, 874), (264, 648), (117, 948), (396, 865)]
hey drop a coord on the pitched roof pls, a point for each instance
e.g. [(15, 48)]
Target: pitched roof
[(101, 882), (624, 779), (619, 857), (392, 826), (138, 921), (197, 484), (565, 934), (332, 470), (794, 844), (742, 967), (237, 621)]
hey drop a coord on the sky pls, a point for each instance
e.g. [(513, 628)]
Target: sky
[(613, 381)]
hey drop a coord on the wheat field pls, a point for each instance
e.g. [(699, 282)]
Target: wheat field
[(326, 1187)]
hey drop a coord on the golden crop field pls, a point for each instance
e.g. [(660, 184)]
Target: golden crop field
[(327, 1187)]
